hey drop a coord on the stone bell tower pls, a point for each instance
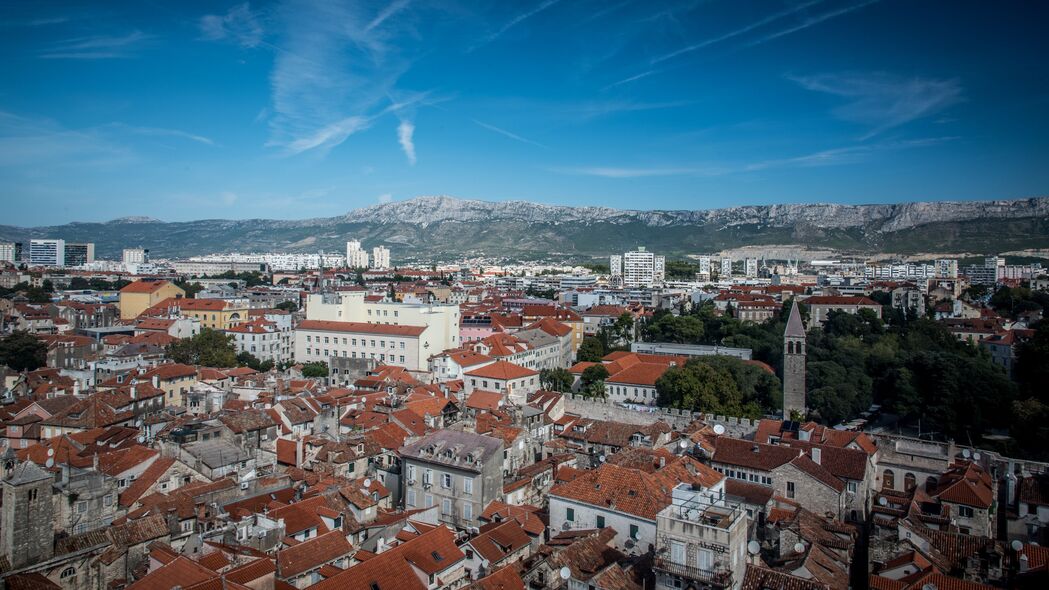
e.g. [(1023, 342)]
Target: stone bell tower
[(27, 519), (794, 363)]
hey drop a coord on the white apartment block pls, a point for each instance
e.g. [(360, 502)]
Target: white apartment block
[(380, 258), (355, 256), (726, 269), (440, 320), (8, 251), (750, 267), (639, 268), (135, 255), (47, 252)]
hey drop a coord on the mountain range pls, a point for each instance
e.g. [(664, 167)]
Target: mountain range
[(445, 228)]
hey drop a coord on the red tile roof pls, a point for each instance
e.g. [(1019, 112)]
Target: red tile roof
[(144, 286), (502, 370), (313, 553)]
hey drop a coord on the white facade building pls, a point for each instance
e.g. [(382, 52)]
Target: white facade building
[(380, 258), (8, 251), (47, 252), (355, 256), (750, 267), (639, 268), (726, 269), (135, 256)]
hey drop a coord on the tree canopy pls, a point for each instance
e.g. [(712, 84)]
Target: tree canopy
[(22, 351), (209, 348)]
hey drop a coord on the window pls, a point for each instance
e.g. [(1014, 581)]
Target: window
[(634, 531), (888, 480), (677, 552), (69, 572), (909, 482), (446, 480), (81, 507), (410, 500), (790, 489), (852, 486), (570, 514), (600, 521), (107, 500), (468, 511), (965, 511), (411, 473), (468, 486), (428, 476), (428, 499), (706, 560), (446, 506)]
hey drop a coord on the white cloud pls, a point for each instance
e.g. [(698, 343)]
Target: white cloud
[(162, 132), (385, 198), (329, 135), (506, 133), (516, 21), (884, 101), (97, 47), (405, 131), (239, 24), (811, 21), (228, 198), (391, 9)]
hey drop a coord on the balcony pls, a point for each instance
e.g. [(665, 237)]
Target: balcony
[(719, 578)]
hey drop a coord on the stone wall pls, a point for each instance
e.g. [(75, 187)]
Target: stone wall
[(599, 409)]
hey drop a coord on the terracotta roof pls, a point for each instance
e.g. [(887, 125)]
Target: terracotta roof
[(505, 578), (144, 286), (755, 455), (966, 483), (640, 374), (313, 553), (149, 477), (361, 328), (763, 578), (501, 541), (484, 400), (502, 370), (840, 300), (817, 472)]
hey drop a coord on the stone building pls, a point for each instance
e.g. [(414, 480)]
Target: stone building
[(794, 364), (27, 515)]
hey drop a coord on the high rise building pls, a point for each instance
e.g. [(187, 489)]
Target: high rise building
[(10, 252), (750, 267), (135, 256), (355, 256), (78, 254), (726, 268), (47, 252), (639, 268), (704, 268), (380, 258)]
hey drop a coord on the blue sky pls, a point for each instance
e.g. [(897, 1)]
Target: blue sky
[(300, 108)]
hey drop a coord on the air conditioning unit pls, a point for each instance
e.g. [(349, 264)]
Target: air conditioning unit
[(244, 485), (411, 482)]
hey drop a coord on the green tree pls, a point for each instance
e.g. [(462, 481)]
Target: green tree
[(671, 328), (591, 349), (246, 359), (21, 351), (209, 348), (700, 387), (191, 289), (557, 379), (593, 374), (315, 370), (289, 306)]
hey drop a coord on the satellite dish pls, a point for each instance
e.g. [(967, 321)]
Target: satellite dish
[(683, 444), (976, 456), (753, 547), (882, 501), (49, 463), (51, 452), (966, 453), (602, 458), (367, 482), (1017, 545), (141, 439), (565, 573), (799, 547), (719, 429)]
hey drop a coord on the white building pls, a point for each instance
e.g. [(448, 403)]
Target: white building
[(380, 258), (704, 268), (440, 320), (268, 338), (750, 267), (317, 341), (8, 252), (639, 268), (135, 256), (47, 252), (355, 256), (726, 269)]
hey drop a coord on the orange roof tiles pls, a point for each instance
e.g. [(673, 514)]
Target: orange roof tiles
[(361, 328), (502, 370)]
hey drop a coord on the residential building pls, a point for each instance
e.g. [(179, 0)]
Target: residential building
[(639, 268), (134, 256), (440, 320), (10, 252), (726, 269), (701, 540), (750, 268), (513, 381), (47, 252), (79, 254), (405, 346), (355, 256), (380, 258), (264, 339), (459, 472), (821, 305), (142, 295)]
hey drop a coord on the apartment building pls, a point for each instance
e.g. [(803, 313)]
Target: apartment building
[(317, 341)]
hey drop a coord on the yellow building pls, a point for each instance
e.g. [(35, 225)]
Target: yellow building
[(142, 295), (217, 314), (175, 380)]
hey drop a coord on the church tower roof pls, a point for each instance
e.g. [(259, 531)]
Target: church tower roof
[(795, 327)]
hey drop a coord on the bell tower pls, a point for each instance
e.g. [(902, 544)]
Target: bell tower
[(794, 363), (28, 535)]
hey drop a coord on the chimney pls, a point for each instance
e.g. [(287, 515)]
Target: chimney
[(298, 452), (817, 455), (156, 381), (133, 394), (76, 387)]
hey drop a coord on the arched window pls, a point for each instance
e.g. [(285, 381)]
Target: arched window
[(69, 572), (909, 482), (888, 480), (930, 482), (790, 348)]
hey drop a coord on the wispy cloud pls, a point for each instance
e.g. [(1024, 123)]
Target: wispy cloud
[(506, 133), (240, 24), (391, 9), (735, 33), (808, 22), (28, 143), (329, 135), (97, 47), (883, 101), (829, 157), (405, 131), (545, 4), (162, 132)]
